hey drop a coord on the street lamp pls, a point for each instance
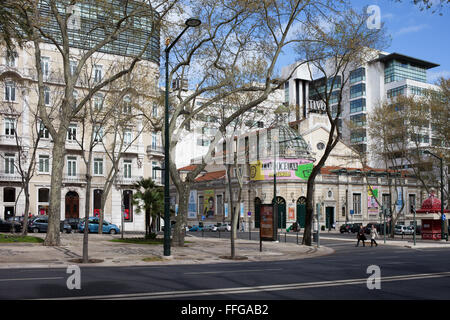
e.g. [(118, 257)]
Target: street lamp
[(191, 22), (442, 192)]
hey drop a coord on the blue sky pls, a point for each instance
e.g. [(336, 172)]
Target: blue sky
[(415, 33)]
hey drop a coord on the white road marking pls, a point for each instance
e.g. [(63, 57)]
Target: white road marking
[(232, 271), (31, 279), (241, 290)]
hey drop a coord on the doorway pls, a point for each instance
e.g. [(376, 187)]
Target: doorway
[(72, 205), (301, 211), (329, 222)]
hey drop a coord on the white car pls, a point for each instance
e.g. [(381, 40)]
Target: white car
[(224, 227), (210, 227), (400, 229)]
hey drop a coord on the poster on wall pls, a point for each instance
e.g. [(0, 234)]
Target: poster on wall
[(192, 205), (209, 208), (372, 205), (267, 230), (295, 169), (291, 211), (399, 199), (242, 210), (226, 209)]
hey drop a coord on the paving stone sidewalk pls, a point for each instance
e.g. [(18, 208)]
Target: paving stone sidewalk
[(198, 250)]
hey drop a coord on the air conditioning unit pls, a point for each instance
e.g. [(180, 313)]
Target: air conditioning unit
[(178, 84)]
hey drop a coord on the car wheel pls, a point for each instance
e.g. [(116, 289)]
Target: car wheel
[(112, 231), (35, 230)]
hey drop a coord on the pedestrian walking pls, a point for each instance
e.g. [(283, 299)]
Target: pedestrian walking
[(361, 236), (373, 236)]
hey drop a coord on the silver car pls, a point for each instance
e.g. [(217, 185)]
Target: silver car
[(400, 229), (224, 227)]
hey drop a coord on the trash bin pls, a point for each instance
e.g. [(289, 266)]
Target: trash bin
[(315, 236)]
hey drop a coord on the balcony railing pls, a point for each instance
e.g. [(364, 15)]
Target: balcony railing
[(121, 179), (12, 177), (8, 140), (152, 149), (77, 178)]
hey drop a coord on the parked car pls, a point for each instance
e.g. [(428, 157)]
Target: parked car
[(40, 224), (224, 227), (346, 227), (73, 223), (210, 227), (196, 228), (355, 227), (401, 229), (17, 219), (108, 227), (370, 225), (5, 226)]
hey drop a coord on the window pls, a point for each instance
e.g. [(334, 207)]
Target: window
[(9, 195), (10, 91), (357, 90), (155, 111), (154, 141), (11, 59), (396, 91), (126, 105), (10, 127), (98, 166), (73, 67), (98, 102), (357, 203), (72, 132), (128, 205), (358, 136), (357, 105), (260, 124), (358, 120), (154, 175), (47, 96), (45, 66), (98, 133), (98, 73), (320, 146), (44, 164), (43, 132), (397, 70), (219, 201), (127, 137), (357, 75), (9, 163), (43, 195), (75, 99), (127, 168), (71, 166)]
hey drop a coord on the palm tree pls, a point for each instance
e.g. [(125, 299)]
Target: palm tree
[(149, 198)]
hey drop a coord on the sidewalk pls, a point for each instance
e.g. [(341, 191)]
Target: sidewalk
[(198, 250), (420, 244)]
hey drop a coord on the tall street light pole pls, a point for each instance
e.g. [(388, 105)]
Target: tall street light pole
[(189, 23), (442, 192)]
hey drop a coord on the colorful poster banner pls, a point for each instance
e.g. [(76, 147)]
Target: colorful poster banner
[(399, 199), (192, 205), (226, 209), (296, 169), (208, 196), (242, 209), (291, 211), (372, 205), (267, 227)]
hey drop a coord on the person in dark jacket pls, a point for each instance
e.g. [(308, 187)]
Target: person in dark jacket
[(361, 236)]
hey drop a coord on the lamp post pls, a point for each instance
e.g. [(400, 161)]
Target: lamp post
[(189, 23), (442, 192)]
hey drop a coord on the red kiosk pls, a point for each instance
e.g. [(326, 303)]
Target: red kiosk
[(432, 223)]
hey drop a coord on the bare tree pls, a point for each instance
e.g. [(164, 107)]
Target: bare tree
[(62, 17), (337, 44)]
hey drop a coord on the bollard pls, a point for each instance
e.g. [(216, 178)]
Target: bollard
[(285, 236), (219, 233), (297, 237)]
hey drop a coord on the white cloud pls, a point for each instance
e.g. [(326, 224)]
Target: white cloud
[(433, 76), (410, 29)]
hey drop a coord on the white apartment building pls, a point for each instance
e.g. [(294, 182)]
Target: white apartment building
[(385, 76), (141, 151)]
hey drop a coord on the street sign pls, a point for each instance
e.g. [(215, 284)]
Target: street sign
[(352, 212), (249, 213), (444, 217), (203, 217)]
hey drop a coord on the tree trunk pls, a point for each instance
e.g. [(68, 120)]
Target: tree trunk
[(178, 232), (86, 221), (27, 208), (54, 215), (234, 217), (309, 212)]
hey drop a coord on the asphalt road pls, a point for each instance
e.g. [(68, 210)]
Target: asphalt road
[(405, 274)]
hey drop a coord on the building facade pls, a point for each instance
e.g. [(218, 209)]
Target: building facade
[(138, 146)]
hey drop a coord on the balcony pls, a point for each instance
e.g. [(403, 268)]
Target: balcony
[(155, 150), (78, 178), (8, 140), (122, 180), (10, 177)]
